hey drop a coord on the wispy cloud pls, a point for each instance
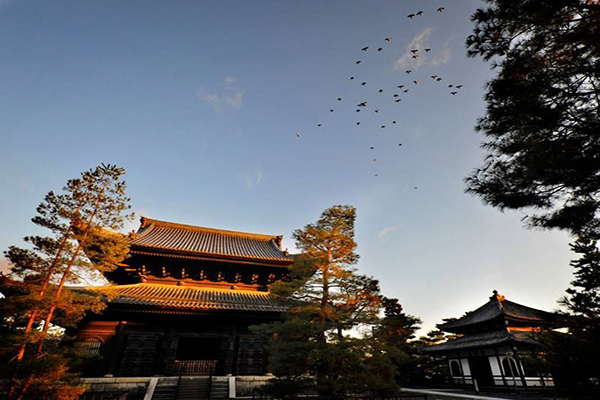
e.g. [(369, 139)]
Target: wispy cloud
[(252, 179), (443, 56), (386, 230), (228, 96), (421, 42)]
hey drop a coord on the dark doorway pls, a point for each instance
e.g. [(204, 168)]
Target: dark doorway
[(192, 348), (481, 371)]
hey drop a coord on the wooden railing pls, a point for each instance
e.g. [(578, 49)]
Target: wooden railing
[(194, 367), (508, 381)]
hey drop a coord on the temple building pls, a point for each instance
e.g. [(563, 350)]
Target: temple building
[(492, 343), (184, 301)]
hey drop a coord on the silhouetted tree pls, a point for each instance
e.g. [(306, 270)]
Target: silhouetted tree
[(542, 126)]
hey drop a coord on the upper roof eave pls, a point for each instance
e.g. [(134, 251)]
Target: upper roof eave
[(168, 237), (498, 308)]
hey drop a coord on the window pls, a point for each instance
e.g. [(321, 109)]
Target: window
[(510, 367), (455, 368), (90, 347)]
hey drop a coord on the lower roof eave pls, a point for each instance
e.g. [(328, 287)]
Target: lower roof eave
[(199, 312), (151, 251)]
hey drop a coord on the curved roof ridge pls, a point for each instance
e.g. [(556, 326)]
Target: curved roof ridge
[(495, 307), (149, 222)]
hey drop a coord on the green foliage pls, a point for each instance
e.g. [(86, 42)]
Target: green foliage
[(333, 337), (584, 295), (82, 221), (542, 118), (542, 125)]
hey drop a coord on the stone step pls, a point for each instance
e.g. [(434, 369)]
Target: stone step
[(191, 388)]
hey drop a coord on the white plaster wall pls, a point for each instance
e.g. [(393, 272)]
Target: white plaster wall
[(495, 366), (464, 363)]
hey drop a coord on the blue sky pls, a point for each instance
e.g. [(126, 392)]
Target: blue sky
[(201, 103)]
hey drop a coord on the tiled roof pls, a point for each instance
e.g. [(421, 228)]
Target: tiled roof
[(498, 307), (191, 298), (199, 241), (483, 339)]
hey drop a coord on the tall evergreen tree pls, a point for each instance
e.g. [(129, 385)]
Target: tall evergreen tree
[(542, 126), (543, 110), (82, 221), (330, 329)]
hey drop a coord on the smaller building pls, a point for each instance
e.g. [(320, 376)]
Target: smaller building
[(492, 343)]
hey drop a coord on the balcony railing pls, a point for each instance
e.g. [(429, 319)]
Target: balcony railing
[(193, 367)]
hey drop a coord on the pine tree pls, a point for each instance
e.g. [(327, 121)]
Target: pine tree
[(330, 331), (542, 118), (542, 126), (82, 220)]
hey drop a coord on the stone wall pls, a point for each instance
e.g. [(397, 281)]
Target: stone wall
[(245, 384), (132, 388)]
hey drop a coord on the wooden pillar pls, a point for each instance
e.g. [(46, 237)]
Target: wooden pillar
[(229, 350), (116, 354)]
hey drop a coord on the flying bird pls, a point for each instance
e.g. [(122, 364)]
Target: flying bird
[(453, 93), (408, 71), (440, 9), (438, 79), (433, 76), (363, 84), (400, 87), (339, 99), (358, 110), (393, 122), (358, 62), (427, 50), (376, 174), (396, 95), (365, 48), (376, 110), (319, 124), (399, 144), (297, 135), (414, 51), (450, 85), (371, 147), (388, 39), (415, 56), (411, 16), (380, 49), (416, 82), (382, 126), (405, 90), (398, 101), (331, 110), (459, 86), (374, 160), (363, 104), (358, 123), (380, 90), (351, 78), (419, 13)]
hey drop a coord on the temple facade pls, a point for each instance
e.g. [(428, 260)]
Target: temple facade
[(183, 303), (492, 343)]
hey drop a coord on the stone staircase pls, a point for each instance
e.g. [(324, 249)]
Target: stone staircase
[(166, 389), (219, 387), (193, 387)]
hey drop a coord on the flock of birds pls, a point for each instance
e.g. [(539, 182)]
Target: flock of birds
[(396, 92)]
